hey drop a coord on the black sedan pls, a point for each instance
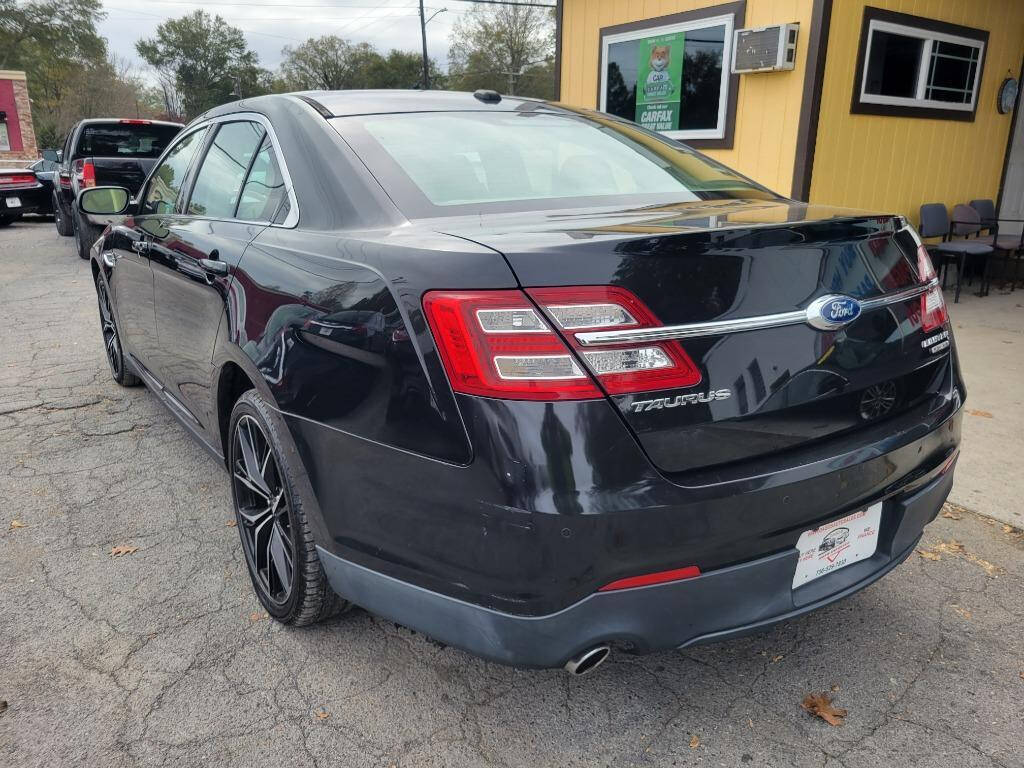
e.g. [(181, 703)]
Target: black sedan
[(532, 380)]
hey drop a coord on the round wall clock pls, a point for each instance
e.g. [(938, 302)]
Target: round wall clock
[(1007, 95)]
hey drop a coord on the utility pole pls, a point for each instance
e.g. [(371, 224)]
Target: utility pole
[(426, 61)]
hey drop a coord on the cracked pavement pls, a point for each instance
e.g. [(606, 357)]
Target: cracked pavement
[(163, 656)]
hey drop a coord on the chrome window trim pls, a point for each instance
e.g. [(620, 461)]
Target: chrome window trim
[(720, 327)]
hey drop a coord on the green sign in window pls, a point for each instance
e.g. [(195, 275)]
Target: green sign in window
[(659, 81)]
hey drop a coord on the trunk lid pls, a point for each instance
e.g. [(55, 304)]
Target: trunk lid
[(764, 390)]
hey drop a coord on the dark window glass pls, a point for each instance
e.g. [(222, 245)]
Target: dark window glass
[(264, 188), (951, 72), (668, 82), (894, 62), (166, 181), (219, 181), (125, 140)]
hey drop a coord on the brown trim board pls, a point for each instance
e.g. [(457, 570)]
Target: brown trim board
[(559, 13), (810, 109), (1009, 140), (739, 10)]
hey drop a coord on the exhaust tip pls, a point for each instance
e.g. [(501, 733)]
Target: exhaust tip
[(587, 661)]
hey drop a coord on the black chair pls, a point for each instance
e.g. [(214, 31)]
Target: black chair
[(935, 223), (1011, 246)]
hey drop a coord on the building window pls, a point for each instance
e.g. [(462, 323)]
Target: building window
[(917, 67), (671, 77)]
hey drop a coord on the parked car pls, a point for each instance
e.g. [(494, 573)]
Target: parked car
[(25, 190), (531, 380), (99, 152)]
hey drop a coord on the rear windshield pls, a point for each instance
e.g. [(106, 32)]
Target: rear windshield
[(447, 163), (125, 140)]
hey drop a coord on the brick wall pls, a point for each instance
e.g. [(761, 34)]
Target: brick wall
[(15, 102)]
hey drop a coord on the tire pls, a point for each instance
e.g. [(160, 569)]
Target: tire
[(269, 510), (112, 340), (83, 232), (61, 217)]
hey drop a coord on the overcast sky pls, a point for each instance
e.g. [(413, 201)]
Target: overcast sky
[(269, 25)]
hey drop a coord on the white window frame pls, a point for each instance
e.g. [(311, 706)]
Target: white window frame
[(728, 20), (930, 38)]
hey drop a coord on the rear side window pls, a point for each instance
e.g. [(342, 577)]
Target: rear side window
[(219, 181), (165, 184), (125, 140), (264, 188)]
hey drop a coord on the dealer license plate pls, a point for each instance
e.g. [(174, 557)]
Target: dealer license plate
[(14, 202), (837, 544)]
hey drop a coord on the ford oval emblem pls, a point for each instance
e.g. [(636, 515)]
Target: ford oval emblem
[(832, 312)]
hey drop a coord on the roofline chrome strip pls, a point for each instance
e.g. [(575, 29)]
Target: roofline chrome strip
[(720, 327)]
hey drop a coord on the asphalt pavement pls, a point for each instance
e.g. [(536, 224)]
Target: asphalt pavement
[(161, 656)]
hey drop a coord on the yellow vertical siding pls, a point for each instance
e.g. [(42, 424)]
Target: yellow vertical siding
[(897, 163), (768, 108)]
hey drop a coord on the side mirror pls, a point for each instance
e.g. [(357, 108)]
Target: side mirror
[(52, 155), (104, 201)]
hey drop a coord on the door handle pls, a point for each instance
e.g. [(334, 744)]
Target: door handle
[(141, 247), (214, 267)]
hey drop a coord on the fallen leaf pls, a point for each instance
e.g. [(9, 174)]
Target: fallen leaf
[(750, 722), (231, 523), (776, 659), (17, 524), (257, 616), (694, 742), (321, 714), (835, 687), (961, 610), (982, 414), (951, 515), (820, 705), (927, 554), (123, 549), (1007, 529)]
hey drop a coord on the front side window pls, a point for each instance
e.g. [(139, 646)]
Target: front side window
[(166, 181), (917, 67), (220, 177), (672, 78), (530, 160)]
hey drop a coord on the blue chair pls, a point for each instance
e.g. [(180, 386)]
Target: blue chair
[(935, 222)]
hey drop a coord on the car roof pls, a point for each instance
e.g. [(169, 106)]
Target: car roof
[(343, 103)]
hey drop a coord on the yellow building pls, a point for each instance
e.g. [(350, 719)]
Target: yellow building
[(883, 105)]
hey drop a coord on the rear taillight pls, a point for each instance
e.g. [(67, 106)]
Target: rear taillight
[(933, 305), (88, 174), (621, 368), (496, 344), (17, 179)]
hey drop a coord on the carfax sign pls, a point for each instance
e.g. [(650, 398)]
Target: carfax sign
[(659, 81)]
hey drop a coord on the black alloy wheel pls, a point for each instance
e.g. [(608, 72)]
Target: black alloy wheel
[(111, 340), (264, 516), (276, 539)]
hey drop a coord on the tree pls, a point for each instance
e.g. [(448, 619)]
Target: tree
[(202, 61), (331, 63), (64, 30), (507, 48)]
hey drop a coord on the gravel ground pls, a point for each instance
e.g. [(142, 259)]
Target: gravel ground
[(162, 656)]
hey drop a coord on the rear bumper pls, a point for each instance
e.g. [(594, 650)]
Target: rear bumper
[(719, 604), (30, 200)]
